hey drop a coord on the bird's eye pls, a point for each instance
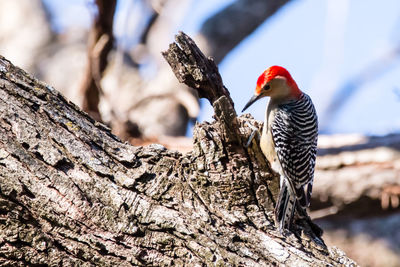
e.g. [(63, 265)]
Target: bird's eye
[(266, 87)]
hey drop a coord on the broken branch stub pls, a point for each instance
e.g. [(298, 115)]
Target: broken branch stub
[(194, 69)]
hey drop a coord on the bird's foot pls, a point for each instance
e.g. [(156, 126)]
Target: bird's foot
[(254, 132)]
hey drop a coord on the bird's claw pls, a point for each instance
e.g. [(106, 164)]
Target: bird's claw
[(252, 135)]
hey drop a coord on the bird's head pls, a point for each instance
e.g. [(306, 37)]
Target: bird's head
[(277, 83)]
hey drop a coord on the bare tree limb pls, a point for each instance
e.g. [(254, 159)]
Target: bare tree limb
[(356, 196), (100, 44), (184, 58), (71, 193), (226, 29), (358, 177)]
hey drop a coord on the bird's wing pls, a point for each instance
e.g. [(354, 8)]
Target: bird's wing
[(295, 133)]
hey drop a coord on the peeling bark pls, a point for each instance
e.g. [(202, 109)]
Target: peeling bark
[(71, 193)]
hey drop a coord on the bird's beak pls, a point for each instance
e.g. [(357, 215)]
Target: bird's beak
[(252, 100)]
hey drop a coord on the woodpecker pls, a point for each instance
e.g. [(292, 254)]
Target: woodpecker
[(288, 140)]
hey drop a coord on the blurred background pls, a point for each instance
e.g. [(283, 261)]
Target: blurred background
[(105, 56)]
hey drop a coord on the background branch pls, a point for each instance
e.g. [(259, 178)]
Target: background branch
[(100, 43)]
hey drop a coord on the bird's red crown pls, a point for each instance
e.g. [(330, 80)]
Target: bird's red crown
[(271, 73)]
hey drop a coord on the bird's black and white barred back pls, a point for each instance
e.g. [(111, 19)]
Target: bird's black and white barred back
[(295, 133)]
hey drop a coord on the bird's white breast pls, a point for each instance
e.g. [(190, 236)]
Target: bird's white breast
[(266, 142)]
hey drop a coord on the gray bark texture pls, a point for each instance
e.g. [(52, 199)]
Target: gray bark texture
[(72, 194)]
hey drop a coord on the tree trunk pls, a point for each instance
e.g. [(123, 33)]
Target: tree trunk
[(71, 193)]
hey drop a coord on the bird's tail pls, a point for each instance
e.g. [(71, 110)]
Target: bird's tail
[(286, 205)]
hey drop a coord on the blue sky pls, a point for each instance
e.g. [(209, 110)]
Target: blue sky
[(296, 39), (324, 44)]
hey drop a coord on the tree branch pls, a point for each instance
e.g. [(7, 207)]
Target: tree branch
[(71, 193), (100, 43), (226, 29), (192, 68), (344, 161)]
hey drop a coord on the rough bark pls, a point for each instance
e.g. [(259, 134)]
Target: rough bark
[(71, 193)]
